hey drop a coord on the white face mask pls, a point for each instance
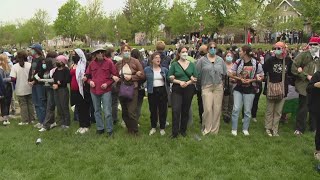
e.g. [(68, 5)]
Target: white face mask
[(184, 55), (314, 50)]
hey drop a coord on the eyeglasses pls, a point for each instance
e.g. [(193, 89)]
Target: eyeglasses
[(314, 44)]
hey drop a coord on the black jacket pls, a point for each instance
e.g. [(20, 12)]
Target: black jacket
[(313, 94)]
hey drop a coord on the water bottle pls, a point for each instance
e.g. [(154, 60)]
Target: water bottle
[(38, 141)]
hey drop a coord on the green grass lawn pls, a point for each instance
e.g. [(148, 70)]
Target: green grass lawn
[(65, 155)]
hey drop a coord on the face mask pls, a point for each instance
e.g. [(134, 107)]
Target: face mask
[(44, 66), (229, 59), (278, 52), (126, 55), (314, 50), (33, 52), (212, 51), (184, 55)]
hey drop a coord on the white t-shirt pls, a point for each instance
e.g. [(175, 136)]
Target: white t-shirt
[(21, 74), (157, 79)]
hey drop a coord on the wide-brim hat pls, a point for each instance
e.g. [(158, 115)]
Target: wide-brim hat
[(98, 50)]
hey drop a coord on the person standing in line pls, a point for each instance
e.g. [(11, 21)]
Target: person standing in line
[(61, 78), (7, 88), (247, 71), (157, 88), (183, 75), (212, 70), (19, 74)]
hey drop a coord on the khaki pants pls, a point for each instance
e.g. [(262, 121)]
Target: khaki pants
[(26, 108), (212, 105), (273, 114)]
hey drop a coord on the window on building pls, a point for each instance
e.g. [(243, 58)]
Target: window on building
[(285, 7)]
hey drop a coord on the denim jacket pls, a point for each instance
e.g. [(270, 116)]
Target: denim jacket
[(149, 77)]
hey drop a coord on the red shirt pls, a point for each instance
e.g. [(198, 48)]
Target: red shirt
[(74, 84), (100, 73)]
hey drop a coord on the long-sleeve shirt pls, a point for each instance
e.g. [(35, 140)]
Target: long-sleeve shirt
[(62, 75), (101, 72), (35, 69)]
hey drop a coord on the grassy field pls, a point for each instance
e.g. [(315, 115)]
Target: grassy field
[(65, 155)]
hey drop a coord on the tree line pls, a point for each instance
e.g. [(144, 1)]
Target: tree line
[(80, 22)]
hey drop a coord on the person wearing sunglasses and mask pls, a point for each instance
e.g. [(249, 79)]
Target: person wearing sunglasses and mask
[(303, 67), (212, 70), (273, 68)]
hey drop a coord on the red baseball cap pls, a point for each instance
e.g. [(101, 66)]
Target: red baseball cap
[(314, 40)]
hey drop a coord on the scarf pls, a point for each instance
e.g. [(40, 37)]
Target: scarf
[(80, 70)]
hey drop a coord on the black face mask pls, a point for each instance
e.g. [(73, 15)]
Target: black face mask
[(75, 59)]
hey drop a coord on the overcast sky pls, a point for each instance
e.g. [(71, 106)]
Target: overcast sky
[(13, 10)]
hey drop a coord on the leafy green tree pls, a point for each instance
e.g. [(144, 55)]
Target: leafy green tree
[(40, 25), (310, 10), (68, 20), (8, 33)]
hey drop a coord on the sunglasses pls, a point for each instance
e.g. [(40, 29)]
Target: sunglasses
[(213, 48), (313, 44)]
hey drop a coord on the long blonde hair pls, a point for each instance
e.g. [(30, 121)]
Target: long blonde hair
[(5, 62)]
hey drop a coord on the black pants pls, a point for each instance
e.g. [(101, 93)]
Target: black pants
[(200, 104), (84, 113), (51, 106), (254, 109), (302, 115), (181, 99), (141, 95), (158, 106), (6, 101), (61, 98), (316, 117)]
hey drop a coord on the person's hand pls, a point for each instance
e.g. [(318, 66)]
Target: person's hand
[(115, 78), (84, 79), (127, 77), (309, 77), (183, 84), (300, 70), (139, 73), (193, 79), (31, 83), (259, 78), (317, 84), (92, 84), (171, 77), (59, 82), (245, 81), (55, 86), (104, 86)]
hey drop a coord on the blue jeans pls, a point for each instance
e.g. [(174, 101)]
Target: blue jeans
[(240, 100), (106, 100), (39, 100)]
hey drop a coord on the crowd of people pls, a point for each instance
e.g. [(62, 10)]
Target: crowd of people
[(228, 85)]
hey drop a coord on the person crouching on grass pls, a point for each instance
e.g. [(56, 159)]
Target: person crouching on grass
[(61, 78)]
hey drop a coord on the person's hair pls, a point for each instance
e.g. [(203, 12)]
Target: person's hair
[(124, 46), (109, 52), (160, 46), (135, 53), (247, 50), (211, 43), (179, 51), (52, 54), (153, 56), (38, 51), (5, 64), (22, 56), (49, 63)]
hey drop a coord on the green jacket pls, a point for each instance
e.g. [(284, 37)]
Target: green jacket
[(306, 62)]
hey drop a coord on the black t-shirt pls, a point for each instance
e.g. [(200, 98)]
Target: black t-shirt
[(246, 73)]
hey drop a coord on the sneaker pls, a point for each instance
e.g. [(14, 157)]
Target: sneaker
[(297, 132), (234, 132), (78, 131), (38, 125), (22, 123), (53, 125), (162, 132), (269, 132), (254, 119), (276, 134), (42, 130), (246, 132), (84, 130), (317, 156), (152, 131), (6, 122)]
